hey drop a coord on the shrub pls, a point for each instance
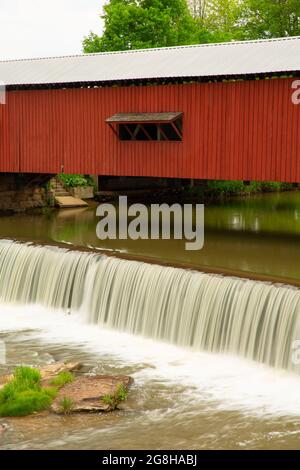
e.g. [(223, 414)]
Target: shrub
[(225, 187), (70, 181), (230, 188)]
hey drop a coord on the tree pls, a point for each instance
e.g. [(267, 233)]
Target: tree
[(270, 18), (247, 19), (137, 24), (199, 8), (221, 18)]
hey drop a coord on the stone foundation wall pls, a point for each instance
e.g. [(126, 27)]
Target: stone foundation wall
[(82, 192), (16, 196)]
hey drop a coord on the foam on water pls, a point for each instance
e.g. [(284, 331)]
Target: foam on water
[(218, 381)]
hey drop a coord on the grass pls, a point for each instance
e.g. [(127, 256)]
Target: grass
[(62, 379), (23, 395), (66, 405), (114, 399)]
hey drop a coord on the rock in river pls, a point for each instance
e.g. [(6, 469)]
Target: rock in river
[(92, 394)]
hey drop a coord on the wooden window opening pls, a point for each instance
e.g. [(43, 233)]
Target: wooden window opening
[(147, 127)]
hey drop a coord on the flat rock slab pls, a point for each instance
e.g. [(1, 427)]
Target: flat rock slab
[(48, 372), (70, 201), (86, 393)]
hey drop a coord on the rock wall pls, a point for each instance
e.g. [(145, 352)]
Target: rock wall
[(18, 194), (81, 192)]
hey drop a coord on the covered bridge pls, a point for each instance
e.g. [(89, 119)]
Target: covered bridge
[(215, 111)]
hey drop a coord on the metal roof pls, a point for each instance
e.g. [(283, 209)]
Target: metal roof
[(201, 61), (143, 117)]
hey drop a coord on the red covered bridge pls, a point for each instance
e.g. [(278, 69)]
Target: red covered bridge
[(220, 111)]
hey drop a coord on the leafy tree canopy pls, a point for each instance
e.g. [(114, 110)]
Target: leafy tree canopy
[(137, 24), (133, 24), (270, 18), (220, 18)]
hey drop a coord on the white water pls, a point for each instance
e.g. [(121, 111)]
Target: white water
[(255, 320), (216, 382)]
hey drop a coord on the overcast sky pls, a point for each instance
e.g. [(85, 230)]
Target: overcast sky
[(40, 28)]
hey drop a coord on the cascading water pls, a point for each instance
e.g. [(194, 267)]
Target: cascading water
[(256, 320)]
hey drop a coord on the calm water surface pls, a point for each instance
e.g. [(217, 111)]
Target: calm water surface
[(258, 234)]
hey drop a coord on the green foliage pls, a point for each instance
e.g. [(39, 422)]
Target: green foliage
[(51, 392), (227, 20), (113, 400), (137, 24), (231, 188), (27, 377), (108, 399), (70, 181), (66, 405), (267, 186), (216, 188), (62, 379), (25, 403), (270, 18), (220, 18), (141, 24), (226, 187), (24, 395), (122, 393)]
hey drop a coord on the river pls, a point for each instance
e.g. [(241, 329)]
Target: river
[(189, 392), (240, 235)]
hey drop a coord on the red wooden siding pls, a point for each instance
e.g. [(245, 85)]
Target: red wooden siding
[(245, 130)]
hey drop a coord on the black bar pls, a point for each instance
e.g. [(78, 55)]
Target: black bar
[(135, 459)]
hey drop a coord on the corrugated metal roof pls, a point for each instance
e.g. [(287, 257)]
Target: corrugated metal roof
[(143, 117), (206, 60)]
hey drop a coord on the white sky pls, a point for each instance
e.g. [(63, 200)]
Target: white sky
[(40, 28)]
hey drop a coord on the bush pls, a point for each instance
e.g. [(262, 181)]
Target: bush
[(232, 188), (71, 181), (226, 187)]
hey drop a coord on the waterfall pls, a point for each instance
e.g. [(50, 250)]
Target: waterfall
[(205, 312)]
